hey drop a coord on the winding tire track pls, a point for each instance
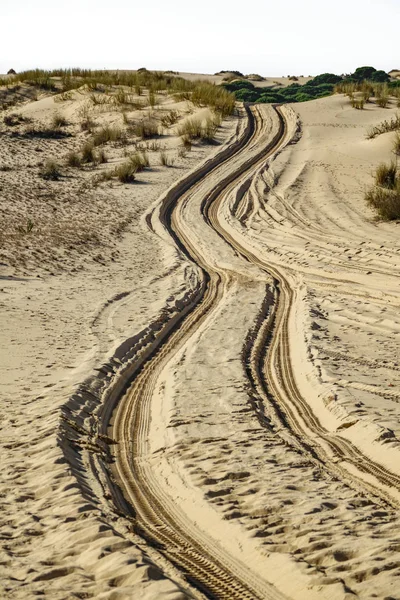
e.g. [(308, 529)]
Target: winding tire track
[(157, 519), (137, 494)]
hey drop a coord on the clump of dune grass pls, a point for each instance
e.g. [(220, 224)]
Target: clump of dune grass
[(396, 144), (153, 145), (384, 127), (152, 99), (145, 129), (59, 121), (384, 196), (385, 175), (73, 159), (357, 103), (50, 171), (139, 160), (170, 118), (107, 134), (15, 119), (38, 131), (26, 229), (101, 156), (382, 101), (125, 172), (196, 129), (88, 153), (166, 160)]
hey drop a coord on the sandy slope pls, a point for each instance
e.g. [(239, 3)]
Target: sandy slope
[(62, 312), (214, 445)]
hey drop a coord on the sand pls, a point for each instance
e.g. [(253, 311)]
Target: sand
[(274, 502)]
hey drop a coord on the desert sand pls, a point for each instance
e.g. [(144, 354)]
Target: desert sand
[(202, 365)]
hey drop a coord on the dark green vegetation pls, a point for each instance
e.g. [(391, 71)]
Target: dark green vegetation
[(322, 85)]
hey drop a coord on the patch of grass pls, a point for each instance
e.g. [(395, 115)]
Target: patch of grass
[(152, 99), (59, 121), (382, 101), (384, 127), (145, 129), (125, 172), (27, 228), (87, 124), (196, 129), (73, 159), (385, 175), (170, 118), (384, 196), (357, 103), (396, 144), (45, 132), (139, 160), (166, 160), (101, 156), (153, 145), (385, 202), (50, 171), (15, 119), (88, 153), (107, 134)]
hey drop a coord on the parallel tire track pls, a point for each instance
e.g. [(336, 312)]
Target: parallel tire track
[(208, 567)]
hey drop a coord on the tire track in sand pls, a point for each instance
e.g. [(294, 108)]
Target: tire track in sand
[(157, 518)]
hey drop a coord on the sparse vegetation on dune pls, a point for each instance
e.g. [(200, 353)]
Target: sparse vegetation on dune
[(63, 81), (384, 127), (145, 129), (50, 171), (384, 196), (198, 129), (166, 159)]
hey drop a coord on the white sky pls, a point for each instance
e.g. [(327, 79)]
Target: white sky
[(270, 37)]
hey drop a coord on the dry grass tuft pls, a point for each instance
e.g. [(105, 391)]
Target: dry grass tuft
[(50, 171)]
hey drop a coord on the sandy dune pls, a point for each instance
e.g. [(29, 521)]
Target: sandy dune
[(212, 389)]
